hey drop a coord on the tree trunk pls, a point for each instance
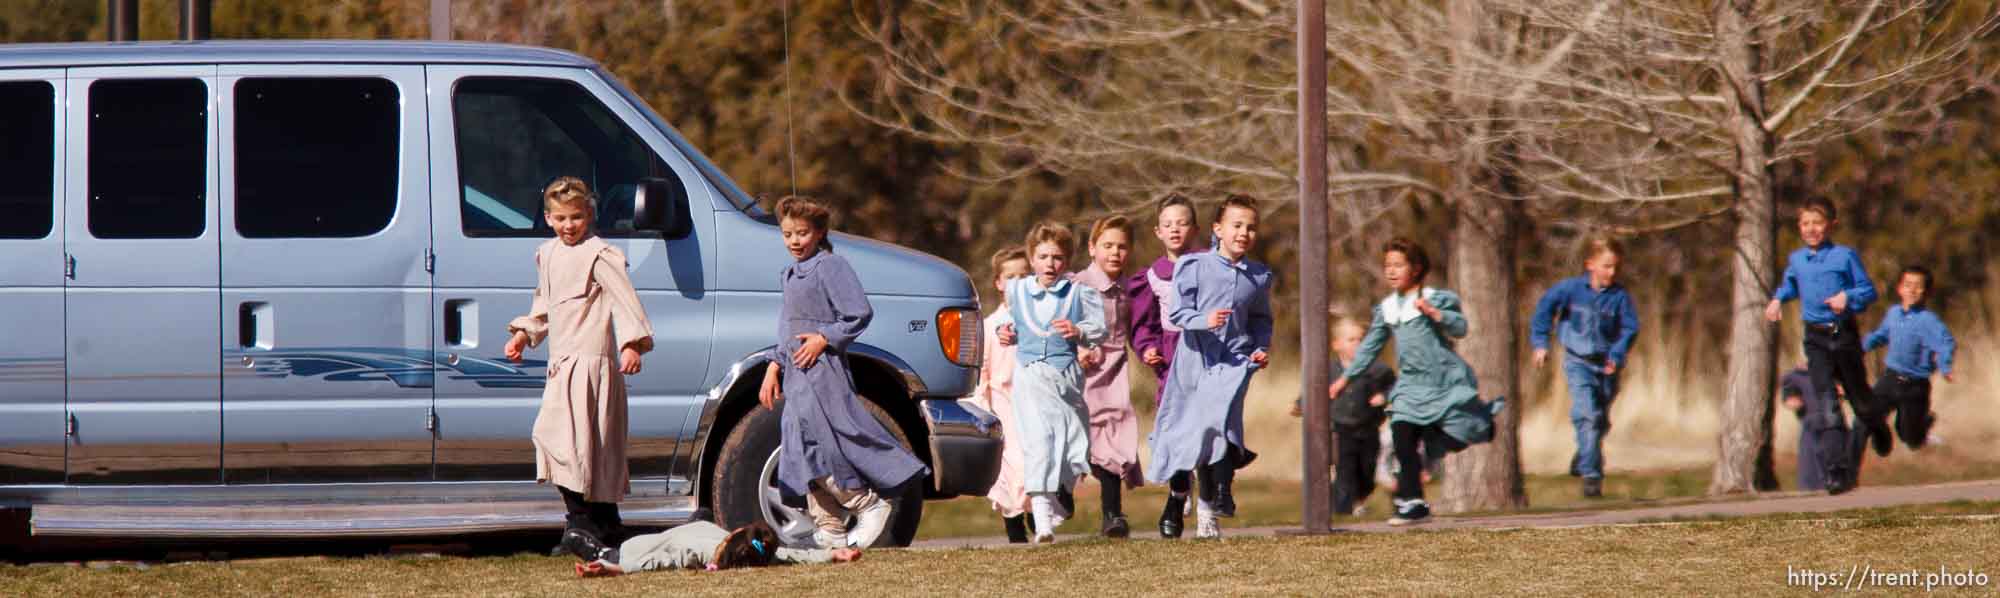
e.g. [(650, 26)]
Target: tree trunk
[(1487, 476), (1747, 410)]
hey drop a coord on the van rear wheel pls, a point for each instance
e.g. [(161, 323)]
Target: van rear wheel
[(746, 477)]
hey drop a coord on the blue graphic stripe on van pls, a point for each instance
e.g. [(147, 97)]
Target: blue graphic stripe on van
[(409, 368), (31, 369)]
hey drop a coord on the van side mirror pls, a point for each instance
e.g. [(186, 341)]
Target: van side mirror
[(661, 205)]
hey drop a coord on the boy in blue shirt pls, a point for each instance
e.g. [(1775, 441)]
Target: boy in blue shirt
[(1831, 287), (1598, 323), (1793, 392), (1919, 344)]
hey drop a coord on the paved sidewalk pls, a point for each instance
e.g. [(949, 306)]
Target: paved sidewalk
[(1769, 504)]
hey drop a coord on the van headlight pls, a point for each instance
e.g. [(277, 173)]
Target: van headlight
[(959, 333)]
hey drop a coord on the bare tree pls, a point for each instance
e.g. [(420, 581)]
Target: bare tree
[(1466, 104), (1717, 93)]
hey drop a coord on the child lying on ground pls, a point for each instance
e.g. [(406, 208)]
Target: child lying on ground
[(704, 545)]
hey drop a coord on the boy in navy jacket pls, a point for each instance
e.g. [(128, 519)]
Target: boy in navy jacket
[(1919, 344), (1598, 323), (1832, 287)]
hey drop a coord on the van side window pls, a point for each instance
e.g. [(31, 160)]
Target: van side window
[(315, 157), (148, 158), (515, 135), (27, 159)]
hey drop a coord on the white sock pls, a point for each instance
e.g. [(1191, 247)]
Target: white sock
[(1045, 513), (1204, 508)]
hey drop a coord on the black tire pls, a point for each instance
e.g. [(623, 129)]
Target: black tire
[(739, 486)]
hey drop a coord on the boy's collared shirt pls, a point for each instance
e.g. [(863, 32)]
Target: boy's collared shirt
[(1596, 323), (1814, 274), (1919, 343)]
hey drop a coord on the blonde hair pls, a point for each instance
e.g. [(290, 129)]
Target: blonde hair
[(569, 191), (1110, 222), (1602, 245), (1050, 232), (1007, 254), (810, 211)]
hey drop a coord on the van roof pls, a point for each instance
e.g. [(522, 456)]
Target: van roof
[(281, 51)]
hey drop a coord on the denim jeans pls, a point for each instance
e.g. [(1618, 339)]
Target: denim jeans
[(1590, 394)]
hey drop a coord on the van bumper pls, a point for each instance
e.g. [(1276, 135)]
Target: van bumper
[(965, 447)]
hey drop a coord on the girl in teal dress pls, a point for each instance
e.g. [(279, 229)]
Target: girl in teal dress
[(1435, 401)]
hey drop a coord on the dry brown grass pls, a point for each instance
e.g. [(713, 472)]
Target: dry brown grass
[(1744, 557)]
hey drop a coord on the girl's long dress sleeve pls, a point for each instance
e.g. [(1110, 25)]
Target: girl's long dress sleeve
[(536, 323), (1371, 346), (1187, 311), (1451, 317), (628, 317), (850, 306), (1090, 328), (1260, 322)]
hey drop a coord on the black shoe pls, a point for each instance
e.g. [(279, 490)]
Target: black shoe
[(1067, 501), (587, 547), (1410, 511), (1017, 529), (1839, 481), (1225, 502), (1882, 437), (1171, 516), (1575, 466), (1593, 487), (1116, 527)]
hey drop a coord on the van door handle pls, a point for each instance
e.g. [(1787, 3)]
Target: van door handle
[(255, 325), (461, 323), (69, 266)]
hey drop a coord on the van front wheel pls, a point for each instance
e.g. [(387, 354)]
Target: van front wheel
[(746, 477)]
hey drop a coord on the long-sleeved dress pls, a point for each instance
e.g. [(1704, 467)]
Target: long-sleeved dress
[(825, 429), (995, 392), (1201, 406), (1152, 293), (1433, 384), (1107, 388), (692, 545), (584, 300), (1049, 412)]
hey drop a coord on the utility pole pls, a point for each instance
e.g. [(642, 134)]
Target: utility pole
[(122, 24), (441, 20), (1313, 375), (194, 19)]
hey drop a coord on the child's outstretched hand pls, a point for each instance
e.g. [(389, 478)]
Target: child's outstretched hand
[(514, 346), (1219, 317), (1091, 357), (770, 393), (1152, 357), (1260, 358), (628, 361), (1065, 328), (1006, 335), (1333, 390), (1771, 312), (810, 346)]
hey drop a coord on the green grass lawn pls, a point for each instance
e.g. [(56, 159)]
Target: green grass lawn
[(1748, 556), (1269, 502)]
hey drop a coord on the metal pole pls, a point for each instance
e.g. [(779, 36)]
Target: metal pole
[(1314, 375), (194, 19), (441, 20), (122, 22)]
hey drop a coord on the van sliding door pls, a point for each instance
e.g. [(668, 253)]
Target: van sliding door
[(327, 363), (140, 226), (31, 278)]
